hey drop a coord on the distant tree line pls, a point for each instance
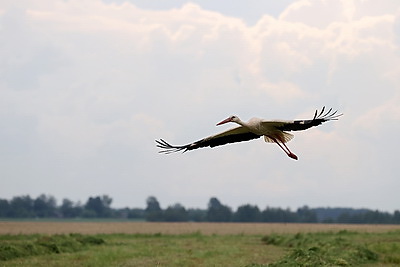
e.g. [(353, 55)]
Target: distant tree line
[(45, 206)]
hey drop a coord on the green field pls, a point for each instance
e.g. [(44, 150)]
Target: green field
[(340, 248)]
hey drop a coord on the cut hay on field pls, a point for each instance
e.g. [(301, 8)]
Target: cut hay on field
[(10, 227)]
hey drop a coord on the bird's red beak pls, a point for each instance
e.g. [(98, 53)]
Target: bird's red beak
[(224, 121)]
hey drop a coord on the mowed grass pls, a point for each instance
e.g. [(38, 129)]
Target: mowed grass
[(343, 248), (139, 250), (371, 246)]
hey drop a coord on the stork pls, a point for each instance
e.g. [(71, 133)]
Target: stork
[(274, 131)]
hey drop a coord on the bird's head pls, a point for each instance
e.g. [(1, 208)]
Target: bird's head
[(230, 119)]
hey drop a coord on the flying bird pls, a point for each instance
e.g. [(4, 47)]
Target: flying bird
[(274, 131)]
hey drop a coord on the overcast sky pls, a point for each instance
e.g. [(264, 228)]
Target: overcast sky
[(86, 86)]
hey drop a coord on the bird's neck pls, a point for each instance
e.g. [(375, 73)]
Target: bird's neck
[(242, 123)]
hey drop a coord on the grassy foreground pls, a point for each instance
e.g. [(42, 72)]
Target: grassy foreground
[(341, 248)]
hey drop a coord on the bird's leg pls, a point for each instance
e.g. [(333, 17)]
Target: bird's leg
[(291, 154), (287, 150)]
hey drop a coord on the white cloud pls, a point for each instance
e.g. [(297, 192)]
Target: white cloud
[(381, 122), (318, 14)]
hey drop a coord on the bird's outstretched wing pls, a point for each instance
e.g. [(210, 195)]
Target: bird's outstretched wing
[(319, 118), (237, 134)]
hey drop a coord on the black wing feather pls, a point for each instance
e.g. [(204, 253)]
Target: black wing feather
[(206, 142), (299, 125)]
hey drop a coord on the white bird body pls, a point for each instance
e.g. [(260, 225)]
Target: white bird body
[(274, 131)]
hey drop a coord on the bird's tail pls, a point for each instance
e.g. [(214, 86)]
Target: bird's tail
[(284, 138)]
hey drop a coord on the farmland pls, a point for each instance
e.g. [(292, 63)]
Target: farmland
[(196, 244), (90, 227)]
